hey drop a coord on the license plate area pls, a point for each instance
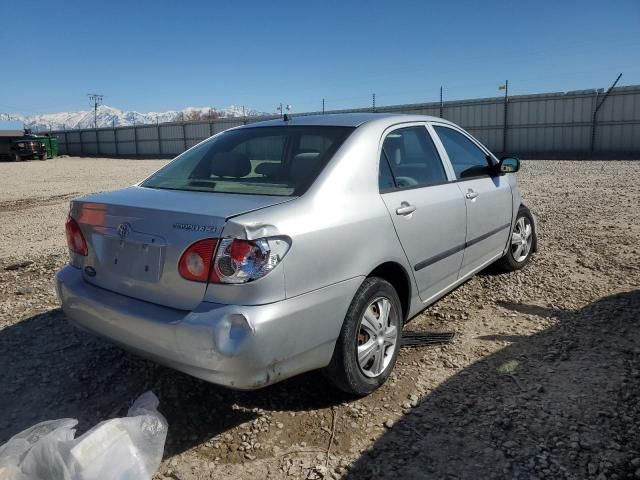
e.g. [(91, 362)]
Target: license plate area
[(139, 257)]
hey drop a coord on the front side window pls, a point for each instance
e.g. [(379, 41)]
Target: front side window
[(411, 158), (466, 158), (259, 161)]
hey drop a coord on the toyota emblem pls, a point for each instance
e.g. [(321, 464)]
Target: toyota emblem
[(123, 230)]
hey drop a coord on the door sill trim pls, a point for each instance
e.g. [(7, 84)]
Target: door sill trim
[(459, 281)]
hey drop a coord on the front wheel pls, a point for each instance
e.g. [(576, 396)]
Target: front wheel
[(522, 243), (16, 157), (44, 156), (369, 341)]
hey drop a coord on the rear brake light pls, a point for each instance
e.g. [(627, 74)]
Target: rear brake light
[(195, 262), (75, 238), (241, 261)]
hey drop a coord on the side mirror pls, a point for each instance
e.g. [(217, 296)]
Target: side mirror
[(508, 165)]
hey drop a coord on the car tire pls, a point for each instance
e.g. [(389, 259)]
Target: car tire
[(521, 247), (16, 157), (44, 157), (367, 348)]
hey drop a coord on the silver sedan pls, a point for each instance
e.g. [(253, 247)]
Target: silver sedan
[(292, 245)]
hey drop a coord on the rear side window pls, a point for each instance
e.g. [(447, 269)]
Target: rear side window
[(259, 161), (411, 158), (466, 158)]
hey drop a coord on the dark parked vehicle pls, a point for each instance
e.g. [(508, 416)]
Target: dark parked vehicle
[(22, 148)]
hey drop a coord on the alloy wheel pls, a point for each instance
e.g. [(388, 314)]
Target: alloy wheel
[(377, 337), (521, 239)]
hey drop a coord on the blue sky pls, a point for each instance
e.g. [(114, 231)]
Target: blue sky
[(158, 55)]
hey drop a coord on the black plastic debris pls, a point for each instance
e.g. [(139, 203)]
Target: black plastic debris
[(424, 339)]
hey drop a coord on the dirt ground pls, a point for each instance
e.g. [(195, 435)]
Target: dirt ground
[(541, 381)]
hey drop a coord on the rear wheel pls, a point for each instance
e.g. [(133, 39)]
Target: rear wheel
[(522, 243), (369, 342), (44, 156), (16, 157)]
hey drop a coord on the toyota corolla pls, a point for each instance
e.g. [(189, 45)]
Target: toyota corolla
[(292, 245)]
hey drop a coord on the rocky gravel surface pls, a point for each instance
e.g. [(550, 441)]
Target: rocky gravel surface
[(541, 381)]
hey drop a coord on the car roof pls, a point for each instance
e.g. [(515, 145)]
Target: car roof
[(344, 119)]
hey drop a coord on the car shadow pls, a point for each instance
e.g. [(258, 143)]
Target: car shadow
[(51, 370), (561, 403)]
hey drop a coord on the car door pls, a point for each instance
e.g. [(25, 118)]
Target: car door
[(487, 196), (428, 212)]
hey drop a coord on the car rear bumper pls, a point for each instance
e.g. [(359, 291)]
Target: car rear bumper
[(243, 347)]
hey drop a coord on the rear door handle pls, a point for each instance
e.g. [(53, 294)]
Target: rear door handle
[(471, 194), (405, 208)]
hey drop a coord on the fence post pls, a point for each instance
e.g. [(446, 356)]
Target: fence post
[(159, 138), (135, 139), (592, 145), (505, 121), (81, 142), (66, 140), (184, 136), (97, 141), (115, 140)]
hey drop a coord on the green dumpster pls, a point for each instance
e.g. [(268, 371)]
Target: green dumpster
[(51, 144)]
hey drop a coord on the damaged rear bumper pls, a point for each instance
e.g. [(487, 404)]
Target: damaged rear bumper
[(243, 347)]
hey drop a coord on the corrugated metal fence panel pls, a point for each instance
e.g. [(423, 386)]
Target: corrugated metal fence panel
[(126, 141), (126, 134), (148, 140), (62, 144), (172, 139), (196, 132), (106, 142), (73, 140), (619, 122), (88, 142), (147, 132)]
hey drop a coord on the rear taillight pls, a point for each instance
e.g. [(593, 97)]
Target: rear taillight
[(241, 261), (195, 262), (75, 239), (235, 261)]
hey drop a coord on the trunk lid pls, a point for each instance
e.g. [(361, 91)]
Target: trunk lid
[(136, 237)]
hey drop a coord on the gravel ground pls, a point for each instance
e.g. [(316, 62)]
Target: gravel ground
[(541, 381)]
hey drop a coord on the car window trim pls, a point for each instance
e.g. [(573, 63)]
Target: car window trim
[(409, 124), (490, 156), (393, 176)]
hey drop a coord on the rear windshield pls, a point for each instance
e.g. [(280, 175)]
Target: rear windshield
[(259, 161)]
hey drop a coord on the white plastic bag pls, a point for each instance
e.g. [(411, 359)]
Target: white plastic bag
[(128, 448)]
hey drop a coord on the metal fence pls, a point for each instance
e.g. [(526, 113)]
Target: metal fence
[(548, 125)]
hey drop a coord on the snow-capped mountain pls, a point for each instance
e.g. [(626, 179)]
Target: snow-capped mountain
[(110, 116)]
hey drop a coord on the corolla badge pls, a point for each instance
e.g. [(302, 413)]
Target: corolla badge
[(192, 227), (123, 230)]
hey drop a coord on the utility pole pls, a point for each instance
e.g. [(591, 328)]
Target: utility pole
[(323, 106), (96, 99), (441, 105), (374, 102)]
